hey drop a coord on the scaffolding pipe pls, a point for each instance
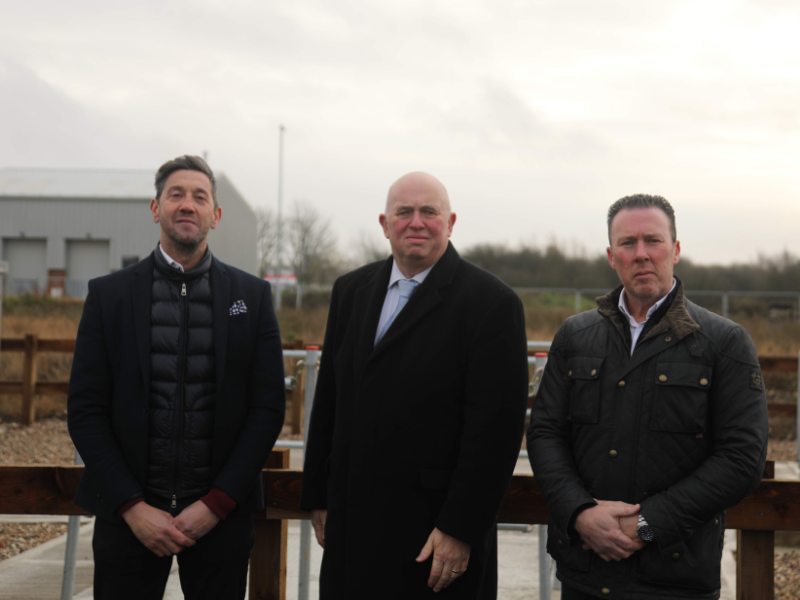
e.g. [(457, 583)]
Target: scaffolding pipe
[(71, 552)]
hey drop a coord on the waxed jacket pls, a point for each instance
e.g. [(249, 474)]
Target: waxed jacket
[(679, 427)]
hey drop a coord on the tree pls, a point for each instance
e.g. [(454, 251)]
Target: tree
[(312, 246), (267, 243)]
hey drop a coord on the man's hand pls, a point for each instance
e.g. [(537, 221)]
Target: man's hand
[(318, 518), (599, 528), (450, 559), (196, 520), (155, 529)]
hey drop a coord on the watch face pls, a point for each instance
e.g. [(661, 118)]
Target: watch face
[(646, 534)]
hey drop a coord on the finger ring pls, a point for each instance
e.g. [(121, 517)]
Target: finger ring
[(456, 572)]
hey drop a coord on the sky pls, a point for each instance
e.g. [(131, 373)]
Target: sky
[(536, 115)]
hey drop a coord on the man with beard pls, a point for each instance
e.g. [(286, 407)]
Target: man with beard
[(650, 421), (176, 398)]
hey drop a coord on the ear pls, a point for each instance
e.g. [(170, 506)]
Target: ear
[(217, 216), (610, 258), (451, 221), (154, 209), (382, 220), (677, 252)]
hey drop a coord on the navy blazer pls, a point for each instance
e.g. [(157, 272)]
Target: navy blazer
[(110, 381)]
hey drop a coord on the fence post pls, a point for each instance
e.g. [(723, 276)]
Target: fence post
[(29, 378), (755, 565), (268, 556), (725, 304), (298, 301), (577, 302), (312, 356)]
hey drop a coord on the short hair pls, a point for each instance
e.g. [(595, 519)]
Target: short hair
[(643, 201), (189, 163)]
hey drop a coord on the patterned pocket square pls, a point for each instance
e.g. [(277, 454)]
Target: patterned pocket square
[(238, 308)]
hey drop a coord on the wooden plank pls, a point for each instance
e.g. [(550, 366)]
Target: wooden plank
[(781, 409), (755, 565), (39, 489), (778, 364), (57, 345), (769, 470), (51, 387), (48, 489), (10, 387), (42, 387), (12, 345), (29, 379), (268, 557)]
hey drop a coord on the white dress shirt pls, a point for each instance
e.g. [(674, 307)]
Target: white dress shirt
[(171, 261), (393, 295), (636, 327)]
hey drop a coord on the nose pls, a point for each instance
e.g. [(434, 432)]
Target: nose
[(416, 221), (187, 205), (641, 251)]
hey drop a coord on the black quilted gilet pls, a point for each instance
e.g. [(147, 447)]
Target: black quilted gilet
[(183, 389)]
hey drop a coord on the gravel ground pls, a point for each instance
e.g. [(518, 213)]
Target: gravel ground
[(782, 450), (787, 576), (18, 537)]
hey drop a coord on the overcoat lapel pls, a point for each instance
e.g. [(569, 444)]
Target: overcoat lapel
[(220, 298), (423, 301), (142, 292), (368, 301)]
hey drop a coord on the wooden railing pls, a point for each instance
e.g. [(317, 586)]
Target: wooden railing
[(29, 386), (774, 506)]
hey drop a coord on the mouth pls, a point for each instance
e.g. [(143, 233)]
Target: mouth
[(643, 274)]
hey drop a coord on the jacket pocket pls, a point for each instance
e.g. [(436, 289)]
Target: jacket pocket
[(696, 566), (565, 552), (584, 394), (681, 398)]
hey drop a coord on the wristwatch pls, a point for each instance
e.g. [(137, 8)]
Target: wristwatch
[(644, 531)]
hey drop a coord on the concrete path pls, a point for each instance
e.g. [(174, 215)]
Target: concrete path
[(37, 573)]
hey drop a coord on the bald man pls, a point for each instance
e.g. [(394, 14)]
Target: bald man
[(418, 414)]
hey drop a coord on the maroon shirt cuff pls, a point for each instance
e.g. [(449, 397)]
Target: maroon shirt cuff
[(219, 502), (129, 504)]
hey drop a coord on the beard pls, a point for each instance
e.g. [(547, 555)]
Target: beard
[(186, 242)]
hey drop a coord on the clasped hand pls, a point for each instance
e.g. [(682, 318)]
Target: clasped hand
[(450, 559), (166, 535), (609, 529)]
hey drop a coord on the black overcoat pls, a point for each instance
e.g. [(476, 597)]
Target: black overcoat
[(109, 387), (421, 431)]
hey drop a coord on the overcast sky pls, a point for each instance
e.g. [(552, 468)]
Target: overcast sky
[(536, 115)]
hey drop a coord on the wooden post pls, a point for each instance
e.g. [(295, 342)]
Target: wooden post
[(29, 378), (268, 557), (755, 565)]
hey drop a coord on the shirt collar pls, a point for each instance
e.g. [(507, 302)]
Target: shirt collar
[(623, 306), (397, 275), (170, 261)]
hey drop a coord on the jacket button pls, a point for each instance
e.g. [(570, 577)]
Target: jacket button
[(676, 556), (594, 372), (704, 381), (606, 591), (560, 543), (662, 378), (667, 339), (569, 374), (621, 383), (612, 453), (716, 521)]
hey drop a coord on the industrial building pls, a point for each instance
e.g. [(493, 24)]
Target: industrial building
[(59, 228)]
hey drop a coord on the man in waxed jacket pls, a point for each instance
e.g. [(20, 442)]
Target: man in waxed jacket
[(651, 420)]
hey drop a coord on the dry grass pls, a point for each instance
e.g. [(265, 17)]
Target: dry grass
[(60, 320)]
